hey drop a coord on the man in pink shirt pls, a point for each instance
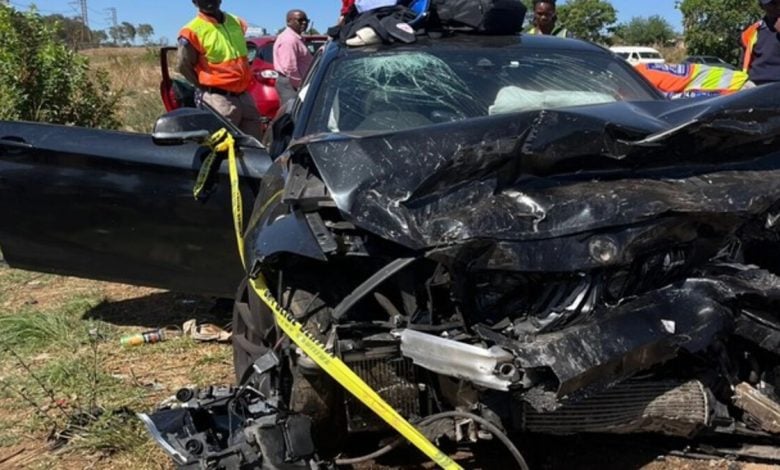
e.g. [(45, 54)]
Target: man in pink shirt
[(291, 56)]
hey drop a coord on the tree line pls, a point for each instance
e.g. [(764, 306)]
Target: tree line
[(711, 27), (75, 34)]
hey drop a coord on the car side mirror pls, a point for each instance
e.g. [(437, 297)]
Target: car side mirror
[(185, 125), (281, 133), (251, 52)]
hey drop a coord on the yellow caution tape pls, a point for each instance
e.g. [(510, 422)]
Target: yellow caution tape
[(222, 141)]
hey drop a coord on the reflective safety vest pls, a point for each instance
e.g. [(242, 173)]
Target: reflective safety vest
[(559, 32), (749, 40), (690, 80), (223, 60)]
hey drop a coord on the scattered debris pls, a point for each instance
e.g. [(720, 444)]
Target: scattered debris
[(151, 336), (205, 332)]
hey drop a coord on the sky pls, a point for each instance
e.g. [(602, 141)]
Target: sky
[(167, 16)]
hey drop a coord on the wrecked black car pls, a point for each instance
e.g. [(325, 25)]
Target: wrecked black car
[(497, 234)]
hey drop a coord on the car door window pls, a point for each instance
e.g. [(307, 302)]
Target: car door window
[(266, 53)]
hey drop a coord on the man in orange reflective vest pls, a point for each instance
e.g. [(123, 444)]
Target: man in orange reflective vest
[(693, 80), (761, 46), (213, 56)]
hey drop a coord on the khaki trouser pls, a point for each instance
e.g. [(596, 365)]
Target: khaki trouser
[(240, 110)]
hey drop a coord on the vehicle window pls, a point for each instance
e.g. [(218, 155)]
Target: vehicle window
[(650, 55), (394, 91), (266, 53), (634, 56), (315, 46), (623, 55)]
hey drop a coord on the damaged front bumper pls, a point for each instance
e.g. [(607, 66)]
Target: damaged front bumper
[(231, 428)]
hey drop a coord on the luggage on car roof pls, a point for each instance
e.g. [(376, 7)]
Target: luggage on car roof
[(482, 16)]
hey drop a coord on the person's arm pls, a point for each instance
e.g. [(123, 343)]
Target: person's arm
[(187, 58)]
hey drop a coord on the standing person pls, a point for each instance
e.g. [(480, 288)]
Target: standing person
[(761, 46), (213, 56), (545, 19), (693, 80), (292, 58)]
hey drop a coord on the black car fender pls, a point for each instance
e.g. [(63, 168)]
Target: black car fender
[(277, 227)]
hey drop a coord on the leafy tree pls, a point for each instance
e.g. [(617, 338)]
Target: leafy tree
[(646, 31), (116, 34), (713, 27), (99, 36), (591, 20), (127, 32), (69, 30), (42, 79), (145, 31)]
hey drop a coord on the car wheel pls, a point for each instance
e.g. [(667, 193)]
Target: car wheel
[(311, 391), (253, 330)]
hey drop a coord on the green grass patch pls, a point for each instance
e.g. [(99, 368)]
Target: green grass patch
[(112, 432), (8, 433), (82, 381), (32, 330), (221, 356)]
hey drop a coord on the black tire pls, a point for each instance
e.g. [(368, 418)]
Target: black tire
[(253, 330), (312, 392)]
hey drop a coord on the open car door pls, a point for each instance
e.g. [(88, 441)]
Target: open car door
[(116, 206), (175, 92)]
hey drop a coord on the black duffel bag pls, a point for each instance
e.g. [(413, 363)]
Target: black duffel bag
[(480, 16)]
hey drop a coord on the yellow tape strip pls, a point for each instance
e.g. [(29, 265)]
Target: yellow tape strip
[(335, 367)]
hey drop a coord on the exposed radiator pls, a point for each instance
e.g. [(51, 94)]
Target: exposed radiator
[(671, 408), (393, 378)]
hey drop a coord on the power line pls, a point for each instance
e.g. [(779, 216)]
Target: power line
[(84, 17), (112, 17)]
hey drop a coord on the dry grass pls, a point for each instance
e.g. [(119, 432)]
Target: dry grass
[(135, 74), (61, 356), (60, 335)]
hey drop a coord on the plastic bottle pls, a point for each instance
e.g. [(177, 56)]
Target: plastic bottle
[(148, 337)]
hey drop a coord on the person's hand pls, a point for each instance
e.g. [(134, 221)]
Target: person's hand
[(777, 24)]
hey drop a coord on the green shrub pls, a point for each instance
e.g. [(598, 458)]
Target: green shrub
[(43, 80)]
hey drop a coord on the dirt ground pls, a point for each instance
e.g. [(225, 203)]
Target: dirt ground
[(156, 371)]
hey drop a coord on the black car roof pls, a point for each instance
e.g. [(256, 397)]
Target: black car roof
[(535, 42)]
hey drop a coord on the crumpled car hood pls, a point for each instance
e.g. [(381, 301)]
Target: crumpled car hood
[(544, 174)]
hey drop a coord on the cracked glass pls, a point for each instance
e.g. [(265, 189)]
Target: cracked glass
[(397, 90)]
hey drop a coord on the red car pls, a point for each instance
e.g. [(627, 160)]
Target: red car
[(176, 92)]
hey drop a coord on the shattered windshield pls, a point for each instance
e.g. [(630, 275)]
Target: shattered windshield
[(407, 89)]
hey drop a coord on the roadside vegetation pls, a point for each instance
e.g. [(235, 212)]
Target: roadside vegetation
[(69, 392), (133, 74), (44, 80)]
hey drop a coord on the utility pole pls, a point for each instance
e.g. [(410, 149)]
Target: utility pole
[(83, 5), (84, 17), (112, 17)]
